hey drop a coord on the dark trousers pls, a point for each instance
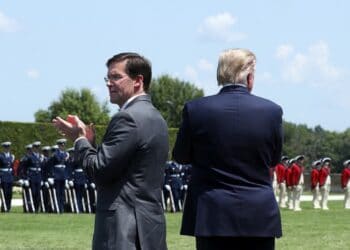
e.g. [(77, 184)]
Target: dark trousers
[(35, 188), (59, 189), (7, 190), (235, 243)]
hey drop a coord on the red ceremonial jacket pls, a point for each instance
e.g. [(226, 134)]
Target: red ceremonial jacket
[(324, 172), (345, 176), (280, 172), (288, 177), (314, 178), (296, 173)]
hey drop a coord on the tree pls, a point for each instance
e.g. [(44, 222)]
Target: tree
[(169, 96), (82, 103)]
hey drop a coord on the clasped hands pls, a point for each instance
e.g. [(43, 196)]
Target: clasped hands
[(73, 128)]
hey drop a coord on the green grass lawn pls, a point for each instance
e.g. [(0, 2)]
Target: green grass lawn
[(308, 229)]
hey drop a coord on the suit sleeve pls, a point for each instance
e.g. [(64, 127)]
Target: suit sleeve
[(182, 148), (278, 138), (109, 160)]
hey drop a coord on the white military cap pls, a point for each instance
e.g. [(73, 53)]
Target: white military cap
[(54, 147), (46, 148), (6, 144), (326, 159), (61, 141), (299, 157), (291, 160), (346, 162), (36, 144), (316, 163), (284, 157), (29, 146)]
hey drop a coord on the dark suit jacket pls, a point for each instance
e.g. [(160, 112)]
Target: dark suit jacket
[(128, 168), (230, 139)]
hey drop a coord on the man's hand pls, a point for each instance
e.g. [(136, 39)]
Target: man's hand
[(73, 128)]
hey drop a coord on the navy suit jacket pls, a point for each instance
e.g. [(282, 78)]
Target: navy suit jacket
[(231, 139)]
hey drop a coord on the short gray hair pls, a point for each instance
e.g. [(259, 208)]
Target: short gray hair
[(234, 66)]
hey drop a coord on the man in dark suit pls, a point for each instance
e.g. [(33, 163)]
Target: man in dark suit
[(231, 139), (128, 166)]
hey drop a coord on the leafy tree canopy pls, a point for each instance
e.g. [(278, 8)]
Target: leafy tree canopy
[(169, 96), (82, 103)]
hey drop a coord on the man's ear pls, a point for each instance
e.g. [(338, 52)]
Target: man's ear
[(250, 81), (139, 81)]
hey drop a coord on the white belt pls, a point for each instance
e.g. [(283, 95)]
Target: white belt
[(60, 166), (5, 169), (78, 170), (175, 175), (35, 169)]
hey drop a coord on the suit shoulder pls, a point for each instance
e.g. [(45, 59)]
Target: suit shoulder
[(267, 103), (200, 101)]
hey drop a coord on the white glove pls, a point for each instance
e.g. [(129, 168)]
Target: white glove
[(51, 181), (41, 183), (20, 182), (86, 186), (71, 183), (167, 187), (66, 184), (26, 183), (92, 185), (185, 187), (46, 184)]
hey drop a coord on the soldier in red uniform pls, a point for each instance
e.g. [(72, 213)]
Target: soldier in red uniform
[(315, 187), (298, 180), (289, 184), (280, 171), (345, 183), (325, 182)]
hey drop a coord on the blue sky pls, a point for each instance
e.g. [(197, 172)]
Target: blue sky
[(302, 50)]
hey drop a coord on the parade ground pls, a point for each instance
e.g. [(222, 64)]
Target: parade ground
[(308, 229)]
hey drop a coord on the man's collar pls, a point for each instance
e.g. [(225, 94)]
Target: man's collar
[(232, 86), (131, 99)]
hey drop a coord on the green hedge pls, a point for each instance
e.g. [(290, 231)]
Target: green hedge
[(22, 134)]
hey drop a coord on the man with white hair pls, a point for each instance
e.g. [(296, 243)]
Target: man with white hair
[(345, 183), (231, 139), (325, 182)]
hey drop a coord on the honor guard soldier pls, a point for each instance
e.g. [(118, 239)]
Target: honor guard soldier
[(27, 197), (185, 178), (34, 162), (46, 171), (59, 160), (6, 176), (289, 184), (315, 185), (175, 183), (325, 182), (298, 180), (280, 170), (77, 183), (345, 183), (91, 195)]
